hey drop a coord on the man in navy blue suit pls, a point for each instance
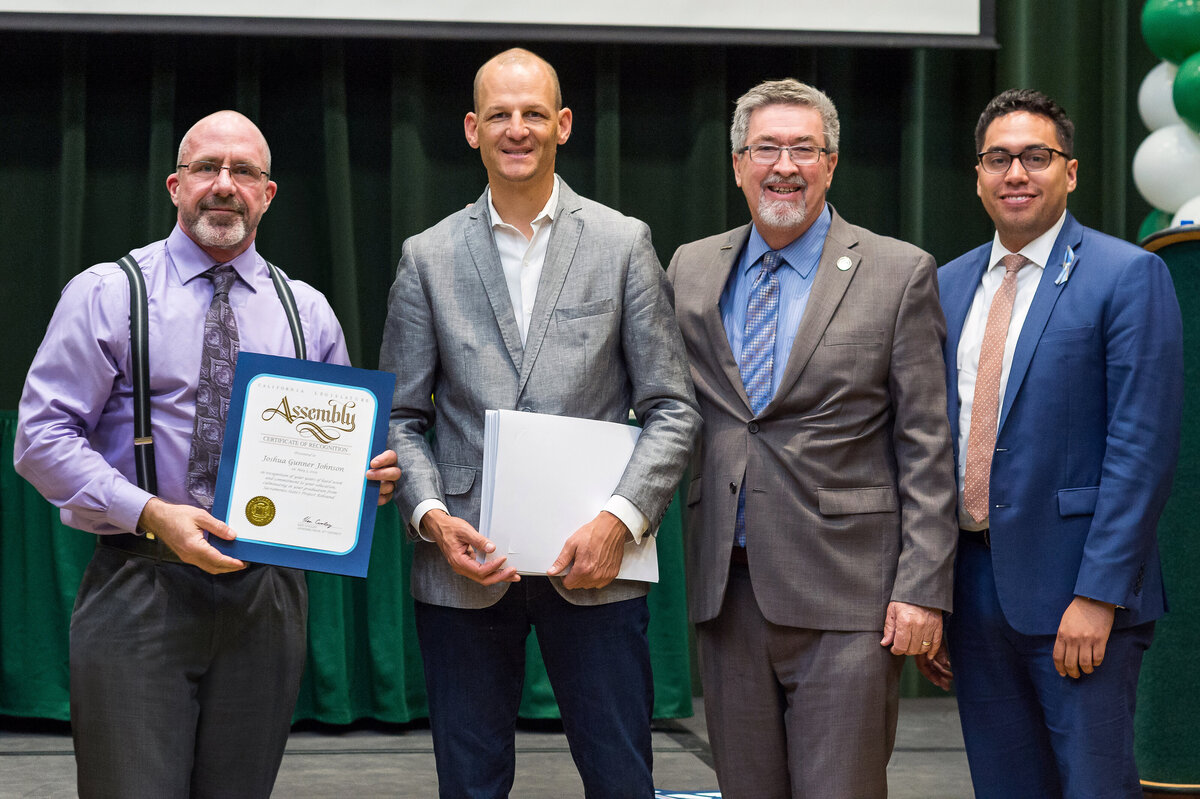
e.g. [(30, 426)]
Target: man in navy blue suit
[(1064, 371)]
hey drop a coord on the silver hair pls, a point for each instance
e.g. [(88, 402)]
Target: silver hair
[(788, 91)]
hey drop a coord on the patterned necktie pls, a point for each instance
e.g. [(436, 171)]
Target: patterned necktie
[(985, 408), (758, 355), (758, 345), (217, 362)]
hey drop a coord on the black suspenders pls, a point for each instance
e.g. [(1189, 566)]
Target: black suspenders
[(289, 308), (139, 346), (139, 355)]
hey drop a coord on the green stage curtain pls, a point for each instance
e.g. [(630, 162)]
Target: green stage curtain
[(368, 144), (363, 659), (1168, 710), (368, 148)]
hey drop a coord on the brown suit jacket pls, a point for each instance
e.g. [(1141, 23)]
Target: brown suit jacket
[(850, 490)]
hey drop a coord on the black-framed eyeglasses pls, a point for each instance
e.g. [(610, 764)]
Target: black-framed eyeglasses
[(1033, 159), (767, 154), (245, 174)]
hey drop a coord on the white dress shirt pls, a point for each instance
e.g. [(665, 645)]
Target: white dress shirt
[(1038, 252), (522, 260)]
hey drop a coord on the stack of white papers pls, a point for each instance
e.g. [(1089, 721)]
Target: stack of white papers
[(546, 476)]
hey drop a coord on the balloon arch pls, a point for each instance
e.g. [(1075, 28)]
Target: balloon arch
[(1166, 167)]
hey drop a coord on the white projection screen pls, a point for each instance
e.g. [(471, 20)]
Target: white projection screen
[(864, 23)]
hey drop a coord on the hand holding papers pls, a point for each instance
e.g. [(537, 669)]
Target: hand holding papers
[(465, 548), (546, 476)]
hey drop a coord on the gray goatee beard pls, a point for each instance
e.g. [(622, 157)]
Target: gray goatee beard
[(213, 234), (780, 213)]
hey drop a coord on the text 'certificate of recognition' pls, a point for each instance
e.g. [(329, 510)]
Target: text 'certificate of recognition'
[(298, 440)]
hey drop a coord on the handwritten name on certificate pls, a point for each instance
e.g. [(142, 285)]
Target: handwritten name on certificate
[(297, 444)]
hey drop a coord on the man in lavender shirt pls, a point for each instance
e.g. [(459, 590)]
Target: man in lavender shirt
[(185, 663)]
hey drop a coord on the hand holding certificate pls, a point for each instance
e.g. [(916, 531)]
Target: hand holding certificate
[(298, 441), (546, 476)]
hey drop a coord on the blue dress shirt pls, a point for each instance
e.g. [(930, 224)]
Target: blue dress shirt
[(796, 277)]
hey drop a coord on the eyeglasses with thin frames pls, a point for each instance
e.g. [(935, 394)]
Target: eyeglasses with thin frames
[(244, 174), (768, 154)]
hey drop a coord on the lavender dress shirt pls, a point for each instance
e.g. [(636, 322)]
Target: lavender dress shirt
[(74, 438)]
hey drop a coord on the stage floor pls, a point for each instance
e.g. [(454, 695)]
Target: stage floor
[(373, 760)]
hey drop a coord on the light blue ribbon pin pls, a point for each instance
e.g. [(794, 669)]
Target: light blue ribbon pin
[(1068, 261)]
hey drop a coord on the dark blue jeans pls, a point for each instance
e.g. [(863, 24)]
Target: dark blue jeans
[(598, 661)]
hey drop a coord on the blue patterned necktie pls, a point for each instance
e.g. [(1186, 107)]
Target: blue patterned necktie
[(217, 362), (757, 364)]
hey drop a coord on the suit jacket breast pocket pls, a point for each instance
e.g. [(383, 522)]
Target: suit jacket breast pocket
[(585, 338), (847, 359), (1074, 355), (1080, 333), (838, 338), (595, 308)]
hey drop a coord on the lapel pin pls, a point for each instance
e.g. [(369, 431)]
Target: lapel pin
[(1068, 260), (843, 263)]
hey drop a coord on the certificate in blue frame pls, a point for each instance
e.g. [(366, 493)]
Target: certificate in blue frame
[(299, 436)]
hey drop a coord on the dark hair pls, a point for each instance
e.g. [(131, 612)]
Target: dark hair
[(1031, 102)]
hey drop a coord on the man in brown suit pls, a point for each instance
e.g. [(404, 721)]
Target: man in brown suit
[(821, 525)]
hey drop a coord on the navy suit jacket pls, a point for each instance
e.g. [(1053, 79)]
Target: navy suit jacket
[(1088, 433)]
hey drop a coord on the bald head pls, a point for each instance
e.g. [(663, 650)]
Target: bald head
[(224, 124), (518, 56), (219, 204)]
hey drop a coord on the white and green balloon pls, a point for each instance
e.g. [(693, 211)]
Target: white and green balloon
[(1154, 97), (1166, 167)]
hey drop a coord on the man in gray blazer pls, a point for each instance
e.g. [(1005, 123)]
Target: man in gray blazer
[(821, 507), (532, 299)]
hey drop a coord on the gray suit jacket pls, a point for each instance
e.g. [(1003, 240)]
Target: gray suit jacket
[(850, 491), (602, 340)]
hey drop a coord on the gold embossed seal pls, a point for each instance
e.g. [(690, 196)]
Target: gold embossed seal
[(260, 511)]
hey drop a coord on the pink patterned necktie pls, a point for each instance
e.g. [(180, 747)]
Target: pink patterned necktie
[(985, 408), (217, 362)]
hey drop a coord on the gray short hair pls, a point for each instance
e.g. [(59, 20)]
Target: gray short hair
[(788, 91)]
